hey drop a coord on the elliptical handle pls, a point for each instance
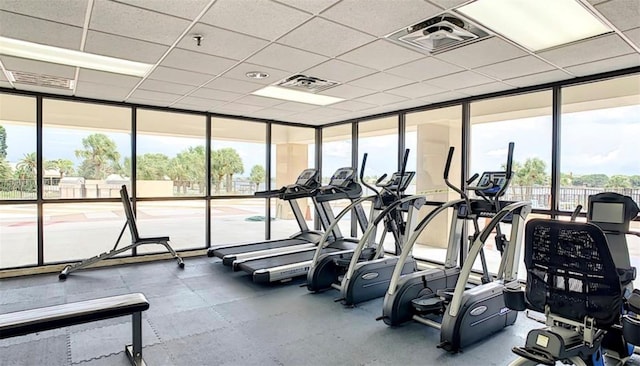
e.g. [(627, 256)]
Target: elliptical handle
[(510, 159), (473, 177), (364, 163), (403, 168), (447, 165)]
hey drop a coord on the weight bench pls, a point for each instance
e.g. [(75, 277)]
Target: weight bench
[(135, 240), (51, 317)]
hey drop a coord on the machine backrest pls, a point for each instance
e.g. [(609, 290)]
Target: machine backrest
[(128, 211), (570, 269), (612, 212)]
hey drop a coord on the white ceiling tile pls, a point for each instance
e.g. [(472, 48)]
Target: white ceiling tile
[(634, 36), (259, 101), (381, 55), (406, 104), (88, 89), (587, 51), (335, 39), (42, 89), (38, 67), (541, 78), (3, 77), (624, 14), (610, 64), (144, 102), (327, 112), (39, 31), (215, 94), (460, 80), (123, 47), (594, 2), (352, 106), (240, 108), (416, 90), (381, 99), (286, 58), (380, 17), (233, 85), (271, 113), (481, 53), (296, 107), (165, 87), (125, 20), (312, 6), (239, 72), (188, 9), (152, 95), (62, 11), (220, 42), (443, 97), (5, 84), (202, 102), (426, 68), (107, 78), (195, 61), (339, 71), (448, 4), (517, 67), (190, 107), (259, 18), (179, 76), (485, 88), (347, 91), (380, 81)]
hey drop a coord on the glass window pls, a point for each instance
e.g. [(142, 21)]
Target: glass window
[(184, 221), (18, 235), (76, 231), (17, 147), (237, 221), (292, 151), (429, 135), (336, 149), (238, 148), (525, 120), (599, 137), (85, 149), (170, 154)]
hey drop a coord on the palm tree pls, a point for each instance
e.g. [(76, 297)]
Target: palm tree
[(63, 166), (26, 167), (100, 155)]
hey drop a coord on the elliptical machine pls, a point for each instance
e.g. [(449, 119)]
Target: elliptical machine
[(364, 273)]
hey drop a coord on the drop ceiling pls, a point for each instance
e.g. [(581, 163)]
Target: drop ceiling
[(339, 40)]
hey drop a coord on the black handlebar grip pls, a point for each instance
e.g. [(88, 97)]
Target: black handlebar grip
[(381, 178), (510, 160), (447, 165), (473, 177), (364, 163)]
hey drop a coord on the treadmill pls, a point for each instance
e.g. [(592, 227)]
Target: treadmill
[(305, 186), (266, 268)]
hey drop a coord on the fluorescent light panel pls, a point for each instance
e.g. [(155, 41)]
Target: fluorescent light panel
[(536, 24), (296, 96), (63, 56)]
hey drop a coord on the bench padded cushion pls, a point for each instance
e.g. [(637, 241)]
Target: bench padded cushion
[(57, 316)]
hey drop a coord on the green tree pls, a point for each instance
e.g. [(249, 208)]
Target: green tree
[(529, 174), (635, 180), (150, 166), (566, 179), (100, 154), (3, 142), (591, 180), (63, 166), (618, 181), (257, 175), (225, 163), (188, 167), (5, 169), (26, 167)]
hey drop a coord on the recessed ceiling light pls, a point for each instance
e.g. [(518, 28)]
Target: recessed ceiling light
[(296, 96), (64, 56), (257, 75), (536, 24)]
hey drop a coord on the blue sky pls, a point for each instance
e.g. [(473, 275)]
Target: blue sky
[(599, 141)]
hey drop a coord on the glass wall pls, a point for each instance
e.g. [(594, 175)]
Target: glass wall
[(336, 149), (429, 135), (170, 154), (292, 151), (184, 221), (18, 235), (237, 221)]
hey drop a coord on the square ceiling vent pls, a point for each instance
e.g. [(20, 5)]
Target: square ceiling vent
[(23, 77), (306, 83), (438, 34)]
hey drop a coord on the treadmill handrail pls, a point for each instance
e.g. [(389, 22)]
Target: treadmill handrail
[(372, 229), (323, 243), (408, 245), (476, 247)]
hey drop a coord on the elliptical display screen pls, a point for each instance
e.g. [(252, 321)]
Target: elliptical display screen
[(612, 213), (342, 177), (494, 181), (395, 181)]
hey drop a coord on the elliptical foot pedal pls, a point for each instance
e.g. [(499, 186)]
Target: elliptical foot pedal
[(428, 304)]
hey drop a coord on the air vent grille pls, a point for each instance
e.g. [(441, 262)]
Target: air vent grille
[(22, 77), (306, 83), (438, 34)]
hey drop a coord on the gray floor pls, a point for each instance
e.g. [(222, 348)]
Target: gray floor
[(208, 315)]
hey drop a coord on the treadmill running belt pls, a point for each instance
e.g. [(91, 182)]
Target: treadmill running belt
[(244, 248)]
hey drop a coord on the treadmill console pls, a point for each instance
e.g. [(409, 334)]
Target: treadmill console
[(341, 185), (494, 181), (343, 177), (308, 178)]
